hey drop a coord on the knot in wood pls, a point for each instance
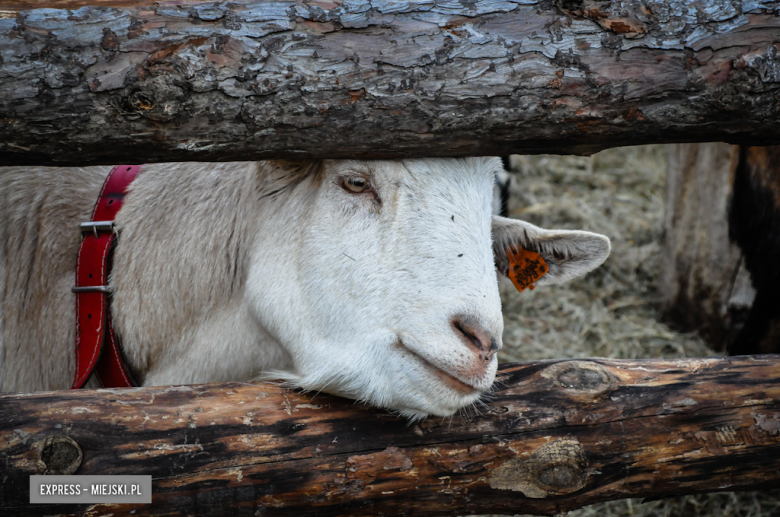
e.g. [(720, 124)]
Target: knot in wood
[(557, 468), (582, 376), (58, 455), (160, 98)]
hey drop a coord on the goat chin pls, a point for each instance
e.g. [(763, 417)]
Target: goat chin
[(442, 400)]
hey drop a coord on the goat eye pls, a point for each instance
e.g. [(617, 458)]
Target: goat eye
[(356, 184)]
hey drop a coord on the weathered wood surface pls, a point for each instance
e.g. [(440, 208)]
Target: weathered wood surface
[(556, 435), (114, 81)]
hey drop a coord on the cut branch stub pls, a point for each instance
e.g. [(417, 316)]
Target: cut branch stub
[(57, 455), (585, 377), (557, 468)]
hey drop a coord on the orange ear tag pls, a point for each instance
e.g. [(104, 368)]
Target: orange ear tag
[(525, 267)]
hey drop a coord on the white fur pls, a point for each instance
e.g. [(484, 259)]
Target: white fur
[(239, 270)]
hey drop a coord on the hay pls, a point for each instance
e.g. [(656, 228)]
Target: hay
[(613, 311)]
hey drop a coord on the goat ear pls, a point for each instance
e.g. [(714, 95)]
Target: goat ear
[(568, 253)]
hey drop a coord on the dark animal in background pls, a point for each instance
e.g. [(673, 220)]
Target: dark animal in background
[(754, 224)]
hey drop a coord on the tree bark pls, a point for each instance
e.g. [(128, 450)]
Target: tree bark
[(557, 435), (703, 283), (113, 81)]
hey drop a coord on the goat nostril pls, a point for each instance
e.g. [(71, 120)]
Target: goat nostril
[(471, 337), (485, 343)]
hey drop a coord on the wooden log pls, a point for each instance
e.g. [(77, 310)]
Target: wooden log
[(556, 435), (113, 81)]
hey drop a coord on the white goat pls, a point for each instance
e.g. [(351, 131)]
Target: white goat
[(372, 280)]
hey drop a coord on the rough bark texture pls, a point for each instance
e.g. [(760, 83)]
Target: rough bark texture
[(107, 81), (703, 283), (557, 435)]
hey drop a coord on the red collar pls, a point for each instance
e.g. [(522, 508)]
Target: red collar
[(96, 345)]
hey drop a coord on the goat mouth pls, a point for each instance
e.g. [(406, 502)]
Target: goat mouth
[(447, 379)]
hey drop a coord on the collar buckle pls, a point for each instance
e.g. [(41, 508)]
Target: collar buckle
[(96, 226)]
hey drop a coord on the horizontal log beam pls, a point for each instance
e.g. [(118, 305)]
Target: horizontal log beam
[(115, 81), (557, 435)]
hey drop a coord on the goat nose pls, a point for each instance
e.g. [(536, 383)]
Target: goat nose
[(476, 336)]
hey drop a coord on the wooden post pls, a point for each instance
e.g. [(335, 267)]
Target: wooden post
[(703, 281), (111, 81), (557, 435), (720, 254)]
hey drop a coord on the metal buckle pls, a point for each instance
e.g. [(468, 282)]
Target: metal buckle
[(97, 226), (93, 289)]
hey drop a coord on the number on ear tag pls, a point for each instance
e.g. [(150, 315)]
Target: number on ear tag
[(525, 267)]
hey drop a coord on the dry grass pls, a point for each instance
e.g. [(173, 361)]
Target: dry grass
[(611, 312)]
